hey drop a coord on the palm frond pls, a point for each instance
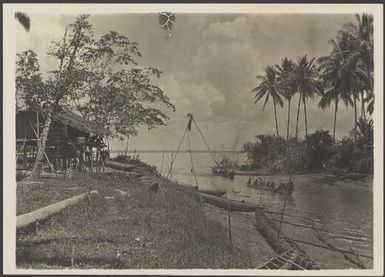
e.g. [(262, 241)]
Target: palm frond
[(23, 20)]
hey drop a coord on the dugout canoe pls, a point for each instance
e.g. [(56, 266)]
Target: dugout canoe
[(119, 166), (236, 206), (215, 192), (280, 243), (258, 172)]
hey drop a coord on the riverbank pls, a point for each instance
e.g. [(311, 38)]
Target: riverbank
[(133, 223)]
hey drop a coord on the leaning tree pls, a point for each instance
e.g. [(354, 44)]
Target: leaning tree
[(100, 78)]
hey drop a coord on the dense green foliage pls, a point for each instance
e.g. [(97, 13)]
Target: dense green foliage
[(317, 152)]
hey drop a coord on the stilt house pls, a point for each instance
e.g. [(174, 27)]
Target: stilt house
[(73, 142)]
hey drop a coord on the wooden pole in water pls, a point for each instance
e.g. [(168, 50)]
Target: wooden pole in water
[(229, 220), (283, 212), (328, 248)]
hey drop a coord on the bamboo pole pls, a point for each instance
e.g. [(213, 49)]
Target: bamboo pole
[(282, 214), (328, 248)]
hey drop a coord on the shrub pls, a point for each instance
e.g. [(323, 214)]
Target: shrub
[(343, 153), (318, 149)]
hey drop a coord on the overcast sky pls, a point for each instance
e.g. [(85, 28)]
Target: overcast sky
[(209, 67)]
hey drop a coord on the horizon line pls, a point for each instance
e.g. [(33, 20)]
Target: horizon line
[(173, 151)]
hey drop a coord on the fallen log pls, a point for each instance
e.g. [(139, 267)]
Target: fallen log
[(236, 206), (279, 242), (43, 213), (215, 192), (120, 166)]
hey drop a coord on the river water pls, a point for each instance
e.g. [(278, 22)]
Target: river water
[(342, 211)]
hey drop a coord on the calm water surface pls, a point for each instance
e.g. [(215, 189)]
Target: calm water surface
[(343, 211)]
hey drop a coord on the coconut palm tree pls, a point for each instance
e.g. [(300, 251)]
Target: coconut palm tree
[(269, 88), (23, 20), (360, 56), (340, 83), (306, 81), (285, 72), (337, 87)]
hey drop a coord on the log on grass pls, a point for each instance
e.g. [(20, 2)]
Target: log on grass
[(43, 213), (120, 166), (236, 206)]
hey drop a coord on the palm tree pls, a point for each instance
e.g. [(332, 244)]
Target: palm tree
[(306, 82), (23, 20), (340, 83), (269, 87), (285, 72), (360, 56), (336, 86)]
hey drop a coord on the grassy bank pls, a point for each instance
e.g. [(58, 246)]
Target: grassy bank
[(137, 228), (45, 191)]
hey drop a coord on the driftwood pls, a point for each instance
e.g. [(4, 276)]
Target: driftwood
[(43, 213), (120, 166), (236, 206)]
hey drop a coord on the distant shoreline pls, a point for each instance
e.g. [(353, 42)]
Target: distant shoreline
[(173, 151)]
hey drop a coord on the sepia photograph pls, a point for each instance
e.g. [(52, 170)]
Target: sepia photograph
[(187, 139)]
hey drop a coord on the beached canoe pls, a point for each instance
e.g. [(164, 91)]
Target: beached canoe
[(280, 243), (120, 166), (215, 192), (234, 205)]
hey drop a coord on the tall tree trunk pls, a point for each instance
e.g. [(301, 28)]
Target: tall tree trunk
[(355, 117), (363, 114), (275, 116), (288, 119), (335, 120), (298, 108), (41, 149), (304, 110)]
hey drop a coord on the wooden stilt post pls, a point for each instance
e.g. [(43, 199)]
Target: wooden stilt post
[(282, 214), (25, 157), (229, 221), (90, 157), (97, 158)]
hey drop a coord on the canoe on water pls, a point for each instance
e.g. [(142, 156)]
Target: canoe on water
[(257, 172), (215, 192), (236, 206)]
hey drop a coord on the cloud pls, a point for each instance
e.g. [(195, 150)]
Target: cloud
[(209, 67), (237, 29), (191, 98)]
